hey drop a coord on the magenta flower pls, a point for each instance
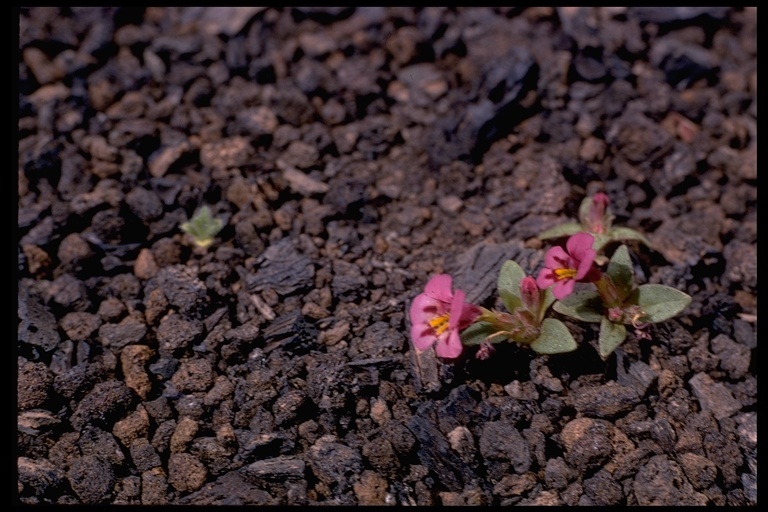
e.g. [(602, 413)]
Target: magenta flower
[(437, 316), (563, 268)]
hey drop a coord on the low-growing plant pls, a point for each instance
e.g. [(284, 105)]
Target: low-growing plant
[(203, 227), (443, 321)]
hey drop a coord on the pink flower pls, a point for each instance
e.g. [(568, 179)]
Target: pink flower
[(563, 268), (437, 316)]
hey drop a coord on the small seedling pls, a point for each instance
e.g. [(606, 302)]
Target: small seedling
[(202, 227)]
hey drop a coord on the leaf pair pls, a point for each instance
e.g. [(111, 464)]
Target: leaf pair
[(602, 228)]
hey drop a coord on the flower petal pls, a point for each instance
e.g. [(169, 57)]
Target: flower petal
[(563, 288), (469, 314), (456, 308), (439, 287), (546, 278), (578, 244), (423, 336), (556, 257), (449, 345), (424, 308), (585, 264)]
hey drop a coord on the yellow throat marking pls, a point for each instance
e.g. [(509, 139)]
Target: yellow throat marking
[(564, 273), (440, 323)]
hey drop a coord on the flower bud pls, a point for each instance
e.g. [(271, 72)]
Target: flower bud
[(597, 213), (529, 293)]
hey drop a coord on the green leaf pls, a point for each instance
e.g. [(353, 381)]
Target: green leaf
[(555, 338), (547, 300), (567, 229), (659, 302), (611, 336), (601, 240), (478, 333), (583, 305), (628, 234), (203, 227), (620, 270), (510, 276), (584, 207)]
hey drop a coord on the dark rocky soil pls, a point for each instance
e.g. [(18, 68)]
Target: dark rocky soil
[(352, 153)]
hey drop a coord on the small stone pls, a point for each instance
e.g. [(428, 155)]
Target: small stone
[(34, 384), (127, 332), (450, 203), (133, 426), (316, 44), (287, 406), (661, 481), (36, 420), (79, 325), (40, 475), (335, 334), (514, 485), (501, 440), (73, 248), (522, 390), (587, 443), (162, 159), (44, 70), (133, 361), (226, 154), (145, 266), (106, 402), (193, 375), (379, 411), (592, 150), (371, 489), (145, 204), (557, 473), (37, 259), (380, 455), (257, 121), (277, 468), (463, 443), (144, 455), (92, 479), (714, 396), (604, 401), (301, 155), (735, 358), (701, 472), (603, 490), (222, 388), (154, 487), (185, 472), (302, 183), (331, 461), (186, 429), (175, 333)]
